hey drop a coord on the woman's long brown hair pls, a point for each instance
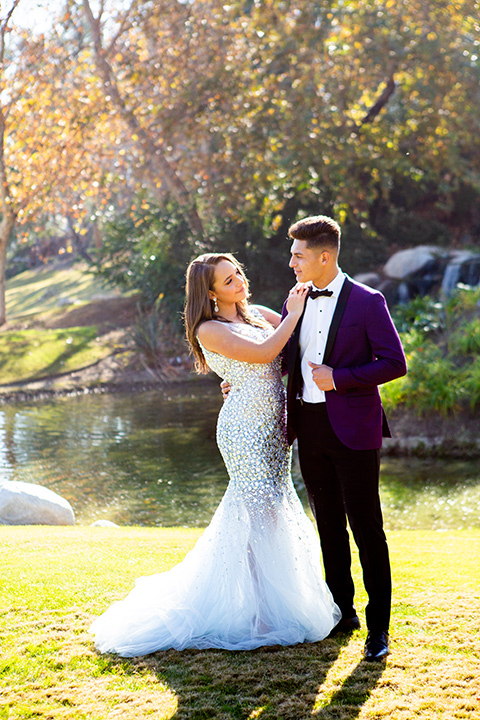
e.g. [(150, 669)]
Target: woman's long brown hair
[(199, 306)]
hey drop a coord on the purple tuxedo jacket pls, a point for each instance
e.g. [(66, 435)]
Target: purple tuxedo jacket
[(364, 350)]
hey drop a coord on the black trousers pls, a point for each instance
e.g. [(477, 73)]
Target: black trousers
[(342, 483)]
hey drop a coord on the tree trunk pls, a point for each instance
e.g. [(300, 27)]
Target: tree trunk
[(6, 227), (8, 217), (156, 160)]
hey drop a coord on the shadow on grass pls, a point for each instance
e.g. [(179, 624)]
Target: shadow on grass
[(347, 702), (268, 683)]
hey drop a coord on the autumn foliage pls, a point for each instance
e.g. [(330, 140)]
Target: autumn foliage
[(245, 114)]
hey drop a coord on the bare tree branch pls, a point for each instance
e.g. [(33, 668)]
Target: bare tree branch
[(381, 102), (3, 29), (156, 161), (378, 106), (125, 23)]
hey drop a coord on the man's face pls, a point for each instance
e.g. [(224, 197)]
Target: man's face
[(307, 263)]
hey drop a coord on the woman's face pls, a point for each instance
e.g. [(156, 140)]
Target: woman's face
[(228, 284)]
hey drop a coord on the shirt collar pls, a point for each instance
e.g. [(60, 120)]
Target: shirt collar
[(335, 285)]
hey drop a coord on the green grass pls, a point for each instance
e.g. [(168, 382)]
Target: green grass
[(41, 289), (54, 581), (36, 353), (30, 350)]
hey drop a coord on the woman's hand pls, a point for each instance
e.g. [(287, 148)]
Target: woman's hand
[(296, 298)]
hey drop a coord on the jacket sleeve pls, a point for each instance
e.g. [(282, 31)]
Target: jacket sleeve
[(387, 357), (284, 353)]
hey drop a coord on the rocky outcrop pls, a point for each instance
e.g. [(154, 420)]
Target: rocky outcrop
[(424, 270), (24, 503)]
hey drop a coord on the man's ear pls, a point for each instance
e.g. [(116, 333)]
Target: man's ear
[(325, 257)]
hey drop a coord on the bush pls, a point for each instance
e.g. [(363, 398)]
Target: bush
[(421, 313), (147, 250), (442, 344), (465, 340), (150, 336), (471, 383)]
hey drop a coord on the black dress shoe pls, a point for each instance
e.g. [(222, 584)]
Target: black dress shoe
[(376, 646), (346, 625)]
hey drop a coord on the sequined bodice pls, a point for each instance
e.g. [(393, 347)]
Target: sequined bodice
[(251, 428), (239, 374)]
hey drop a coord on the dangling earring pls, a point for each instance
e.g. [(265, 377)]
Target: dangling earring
[(215, 304)]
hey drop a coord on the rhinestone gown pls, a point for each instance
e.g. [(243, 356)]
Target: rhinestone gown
[(254, 577)]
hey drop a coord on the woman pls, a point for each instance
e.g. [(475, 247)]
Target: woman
[(254, 577)]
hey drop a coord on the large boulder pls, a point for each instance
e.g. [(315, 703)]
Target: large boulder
[(24, 503), (405, 263), (372, 279)]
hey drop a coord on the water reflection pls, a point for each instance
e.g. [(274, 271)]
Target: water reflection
[(430, 494), (151, 459)]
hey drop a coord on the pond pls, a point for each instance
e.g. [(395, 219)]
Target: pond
[(150, 458)]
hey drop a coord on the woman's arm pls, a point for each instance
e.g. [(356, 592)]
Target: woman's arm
[(218, 337), (270, 316)]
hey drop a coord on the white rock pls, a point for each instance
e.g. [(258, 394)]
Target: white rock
[(372, 279), (24, 503), (104, 523), (405, 262)]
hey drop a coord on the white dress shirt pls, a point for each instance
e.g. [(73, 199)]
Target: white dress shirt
[(314, 333)]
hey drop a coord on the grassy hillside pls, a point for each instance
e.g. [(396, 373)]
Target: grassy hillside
[(60, 318), (51, 287)]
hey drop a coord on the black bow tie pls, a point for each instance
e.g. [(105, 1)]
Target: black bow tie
[(319, 293)]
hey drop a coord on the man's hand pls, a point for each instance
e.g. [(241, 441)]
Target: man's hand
[(225, 387), (322, 376)]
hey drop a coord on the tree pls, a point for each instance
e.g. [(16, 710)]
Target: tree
[(267, 109), (248, 113), (47, 139), (155, 157), (7, 206)]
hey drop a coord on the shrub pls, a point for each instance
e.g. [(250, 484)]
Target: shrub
[(442, 344), (147, 250), (152, 338), (422, 313), (433, 382), (465, 340), (464, 300), (471, 383)]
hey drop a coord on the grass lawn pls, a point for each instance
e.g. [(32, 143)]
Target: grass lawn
[(56, 322), (41, 289), (35, 353), (54, 581)]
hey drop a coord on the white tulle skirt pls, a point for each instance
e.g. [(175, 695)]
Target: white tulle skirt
[(252, 579)]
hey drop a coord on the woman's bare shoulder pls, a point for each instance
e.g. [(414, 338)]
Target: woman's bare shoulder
[(211, 329)]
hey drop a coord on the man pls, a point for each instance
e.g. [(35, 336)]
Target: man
[(344, 346)]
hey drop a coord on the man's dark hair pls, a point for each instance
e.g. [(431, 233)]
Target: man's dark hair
[(317, 231)]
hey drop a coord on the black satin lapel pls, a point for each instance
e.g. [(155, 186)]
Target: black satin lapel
[(294, 343), (337, 316)]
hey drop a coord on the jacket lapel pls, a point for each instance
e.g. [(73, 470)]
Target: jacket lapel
[(337, 317), (293, 360)]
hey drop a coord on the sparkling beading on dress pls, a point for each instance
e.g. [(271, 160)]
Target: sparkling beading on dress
[(254, 577)]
